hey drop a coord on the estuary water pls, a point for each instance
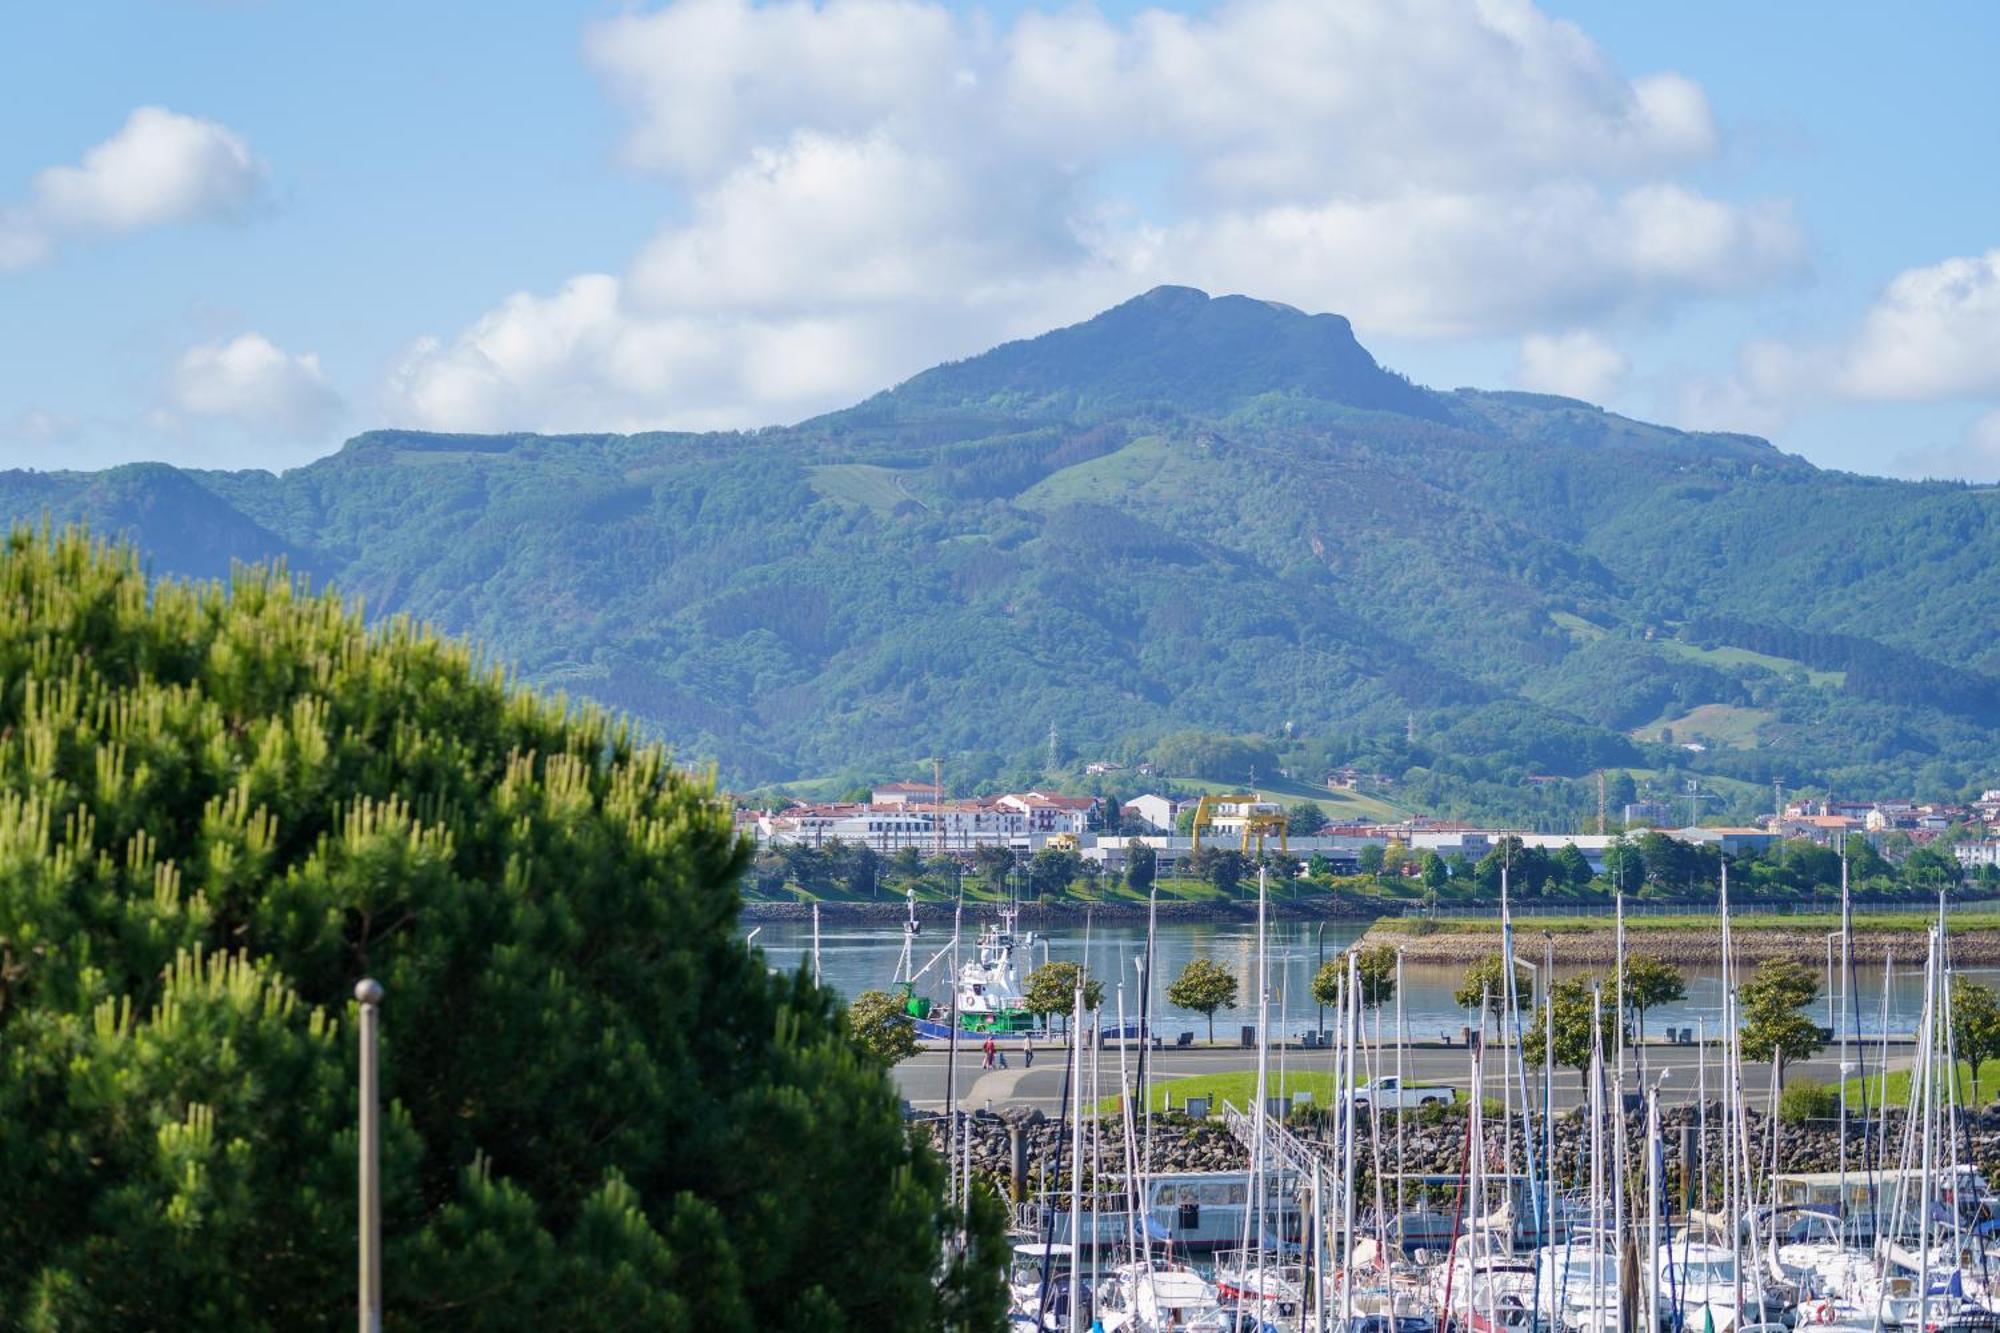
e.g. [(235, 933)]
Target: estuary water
[(855, 958)]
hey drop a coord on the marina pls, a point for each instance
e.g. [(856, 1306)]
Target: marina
[(1574, 1218)]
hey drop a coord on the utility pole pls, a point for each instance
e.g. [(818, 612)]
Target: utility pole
[(369, 993), (1603, 822), (1695, 795)]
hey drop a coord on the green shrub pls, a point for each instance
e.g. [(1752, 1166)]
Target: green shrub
[(1804, 1100)]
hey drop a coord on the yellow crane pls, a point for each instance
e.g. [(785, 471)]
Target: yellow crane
[(1257, 824)]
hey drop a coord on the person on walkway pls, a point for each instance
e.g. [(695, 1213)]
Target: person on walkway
[(986, 1053), (1028, 1053)]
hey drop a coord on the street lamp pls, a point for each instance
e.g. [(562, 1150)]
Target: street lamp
[(1319, 941)]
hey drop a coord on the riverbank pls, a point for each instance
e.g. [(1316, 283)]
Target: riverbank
[(1051, 913), (1689, 940)]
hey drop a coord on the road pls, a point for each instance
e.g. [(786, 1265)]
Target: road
[(922, 1077)]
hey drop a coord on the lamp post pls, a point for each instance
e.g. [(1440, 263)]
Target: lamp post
[(1319, 942), (369, 992)]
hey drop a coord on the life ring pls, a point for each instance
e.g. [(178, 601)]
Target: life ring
[(1824, 1315)]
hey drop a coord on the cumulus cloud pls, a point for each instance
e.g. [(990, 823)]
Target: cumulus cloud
[(1933, 333), (251, 382), (1974, 457), (586, 358), (1578, 364), (880, 184), (39, 426), (160, 168)]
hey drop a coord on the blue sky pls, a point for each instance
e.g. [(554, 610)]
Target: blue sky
[(234, 234)]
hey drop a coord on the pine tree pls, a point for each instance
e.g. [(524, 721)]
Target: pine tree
[(219, 807)]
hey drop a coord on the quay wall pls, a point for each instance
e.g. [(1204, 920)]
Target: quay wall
[(1436, 1146)]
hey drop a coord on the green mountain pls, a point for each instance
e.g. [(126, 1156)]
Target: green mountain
[(1187, 515)]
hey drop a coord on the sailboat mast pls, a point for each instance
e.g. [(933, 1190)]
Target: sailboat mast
[(1076, 1158), (1846, 990), (1134, 1193), (1402, 1036), (1348, 1156)]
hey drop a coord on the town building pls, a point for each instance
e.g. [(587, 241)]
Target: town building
[(1157, 811), (1979, 854), (904, 793)]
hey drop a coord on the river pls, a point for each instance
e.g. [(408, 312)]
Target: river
[(855, 958)]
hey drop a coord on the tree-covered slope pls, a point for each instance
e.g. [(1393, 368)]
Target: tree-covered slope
[(1183, 514), (220, 806)]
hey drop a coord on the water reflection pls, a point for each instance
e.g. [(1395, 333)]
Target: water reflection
[(856, 957)]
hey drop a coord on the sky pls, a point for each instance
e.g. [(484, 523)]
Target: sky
[(235, 232)]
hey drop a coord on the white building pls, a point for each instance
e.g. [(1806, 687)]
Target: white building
[(1048, 813), (1155, 810), (1978, 855)]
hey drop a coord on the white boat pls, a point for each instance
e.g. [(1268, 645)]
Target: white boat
[(1576, 1283), (987, 989), (1698, 1282), (1262, 1284), (1031, 1263), (1483, 1285), (1161, 1298)]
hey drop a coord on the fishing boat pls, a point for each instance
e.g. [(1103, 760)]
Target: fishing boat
[(986, 993)]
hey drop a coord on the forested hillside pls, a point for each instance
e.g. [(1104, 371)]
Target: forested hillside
[(1187, 514)]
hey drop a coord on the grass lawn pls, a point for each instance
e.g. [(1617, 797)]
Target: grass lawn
[(1899, 1086), (1576, 626), (1725, 656), (862, 484), (1108, 478), (1718, 724), (1112, 890), (1238, 1086)]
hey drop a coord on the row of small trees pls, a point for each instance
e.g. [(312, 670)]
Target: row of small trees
[(1772, 1004)]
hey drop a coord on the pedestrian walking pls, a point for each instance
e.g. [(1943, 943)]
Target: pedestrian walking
[(1028, 1053), (986, 1053)]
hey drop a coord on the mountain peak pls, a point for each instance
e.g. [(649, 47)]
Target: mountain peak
[(1176, 348)]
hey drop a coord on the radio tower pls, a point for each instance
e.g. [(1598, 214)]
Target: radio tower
[(1603, 824), (1052, 764), (1777, 798)]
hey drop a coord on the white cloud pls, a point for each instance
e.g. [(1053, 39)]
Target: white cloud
[(1975, 457), (38, 426), (1933, 333), (253, 383), (875, 185), (161, 168), (712, 79), (1429, 264), (1578, 364)]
